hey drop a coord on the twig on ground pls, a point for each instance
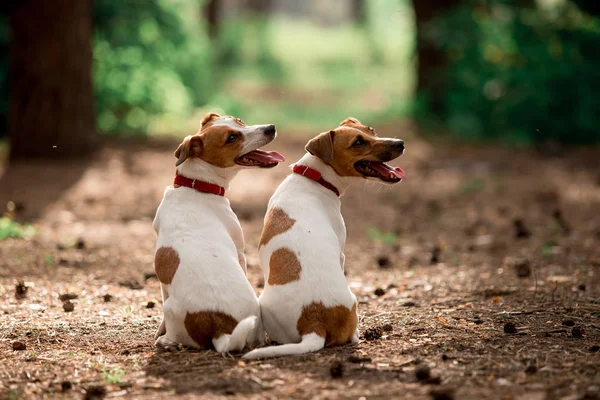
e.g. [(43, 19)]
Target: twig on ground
[(518, 312), (555, 286), (407, 362), (557, 331), (534, 280)]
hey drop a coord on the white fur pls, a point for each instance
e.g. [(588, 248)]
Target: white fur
[(253, 137), (317, 238), (208, 238), (311, 342), (239, 336)]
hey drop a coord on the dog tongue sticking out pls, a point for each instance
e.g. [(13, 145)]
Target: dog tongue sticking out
[(386, 170), (261, 158), (382, 171)]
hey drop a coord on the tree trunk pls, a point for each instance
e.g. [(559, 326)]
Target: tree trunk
[(260, 7), (430, 58), (358, 11), (591, 7), (211, 14), (524, 3), (51, 109)]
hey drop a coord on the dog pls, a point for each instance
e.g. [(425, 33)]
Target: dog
[(199, 259), (307, 303)]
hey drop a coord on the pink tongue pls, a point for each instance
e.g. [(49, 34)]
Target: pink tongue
[(386, 170), (266, 157)]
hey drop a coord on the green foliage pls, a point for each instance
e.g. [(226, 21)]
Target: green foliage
[(548, 248), (521, 74), (376, 235), (297, 73), (150, 58), (156, 71), (114, 375), (12, 229), (472, 186)]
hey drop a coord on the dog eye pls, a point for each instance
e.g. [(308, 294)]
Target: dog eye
[(358, 142), (231, 138)]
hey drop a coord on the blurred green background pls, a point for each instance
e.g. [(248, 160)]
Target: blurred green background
[(298, 65), (514, 71)]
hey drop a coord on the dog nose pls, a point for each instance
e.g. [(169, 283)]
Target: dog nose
[(269, 130), (399, 144)]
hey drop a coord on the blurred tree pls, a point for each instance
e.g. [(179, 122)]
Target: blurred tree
[(589, 6), (152, 60), (520, 3), (4, 39), (51, 110), (430, 57), (261, 7), (211, 14), (358, 11), (521, 74)]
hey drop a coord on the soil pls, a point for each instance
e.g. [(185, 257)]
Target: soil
[(437, 263)]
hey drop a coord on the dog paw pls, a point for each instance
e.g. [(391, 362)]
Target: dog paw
[(165, 344)]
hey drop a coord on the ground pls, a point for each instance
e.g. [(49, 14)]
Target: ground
[(477, 277)]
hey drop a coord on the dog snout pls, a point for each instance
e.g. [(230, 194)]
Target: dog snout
[(269, 130), (399, 144)]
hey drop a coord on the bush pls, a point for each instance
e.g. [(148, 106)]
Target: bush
[(522, 75), (12, 229), (150, 57)]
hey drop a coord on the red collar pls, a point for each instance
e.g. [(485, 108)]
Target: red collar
[(200, 186), (315, 175)]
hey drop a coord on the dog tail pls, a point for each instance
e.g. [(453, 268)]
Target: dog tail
[(238, 338), (311, 342)]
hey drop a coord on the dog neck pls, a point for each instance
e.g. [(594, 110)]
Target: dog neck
[(327, 172), (195, 168)]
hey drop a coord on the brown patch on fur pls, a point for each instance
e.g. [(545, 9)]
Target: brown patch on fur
[(336, 148), (276, 223), (336, 324), (211, 145), (322, 146), (209, 117), (284, 267), (166, 261), (204, 326), (190, 147), (216, 149), (350, 121)]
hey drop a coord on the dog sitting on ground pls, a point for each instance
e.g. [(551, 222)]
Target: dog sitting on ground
[(307, 303), (199, 259)]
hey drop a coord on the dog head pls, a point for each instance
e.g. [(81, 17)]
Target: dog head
[(225, 142), (354, 150)]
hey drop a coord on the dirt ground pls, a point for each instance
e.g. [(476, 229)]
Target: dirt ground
[(477, 277)]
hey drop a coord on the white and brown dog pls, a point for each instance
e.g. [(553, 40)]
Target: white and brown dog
[(307, 303), (199, 259)]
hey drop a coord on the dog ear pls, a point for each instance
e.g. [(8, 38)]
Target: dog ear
[(190, 147), (321, 146), (350, 121), (208, 117)]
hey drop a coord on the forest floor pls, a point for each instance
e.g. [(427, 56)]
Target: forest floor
[(478, 277)]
